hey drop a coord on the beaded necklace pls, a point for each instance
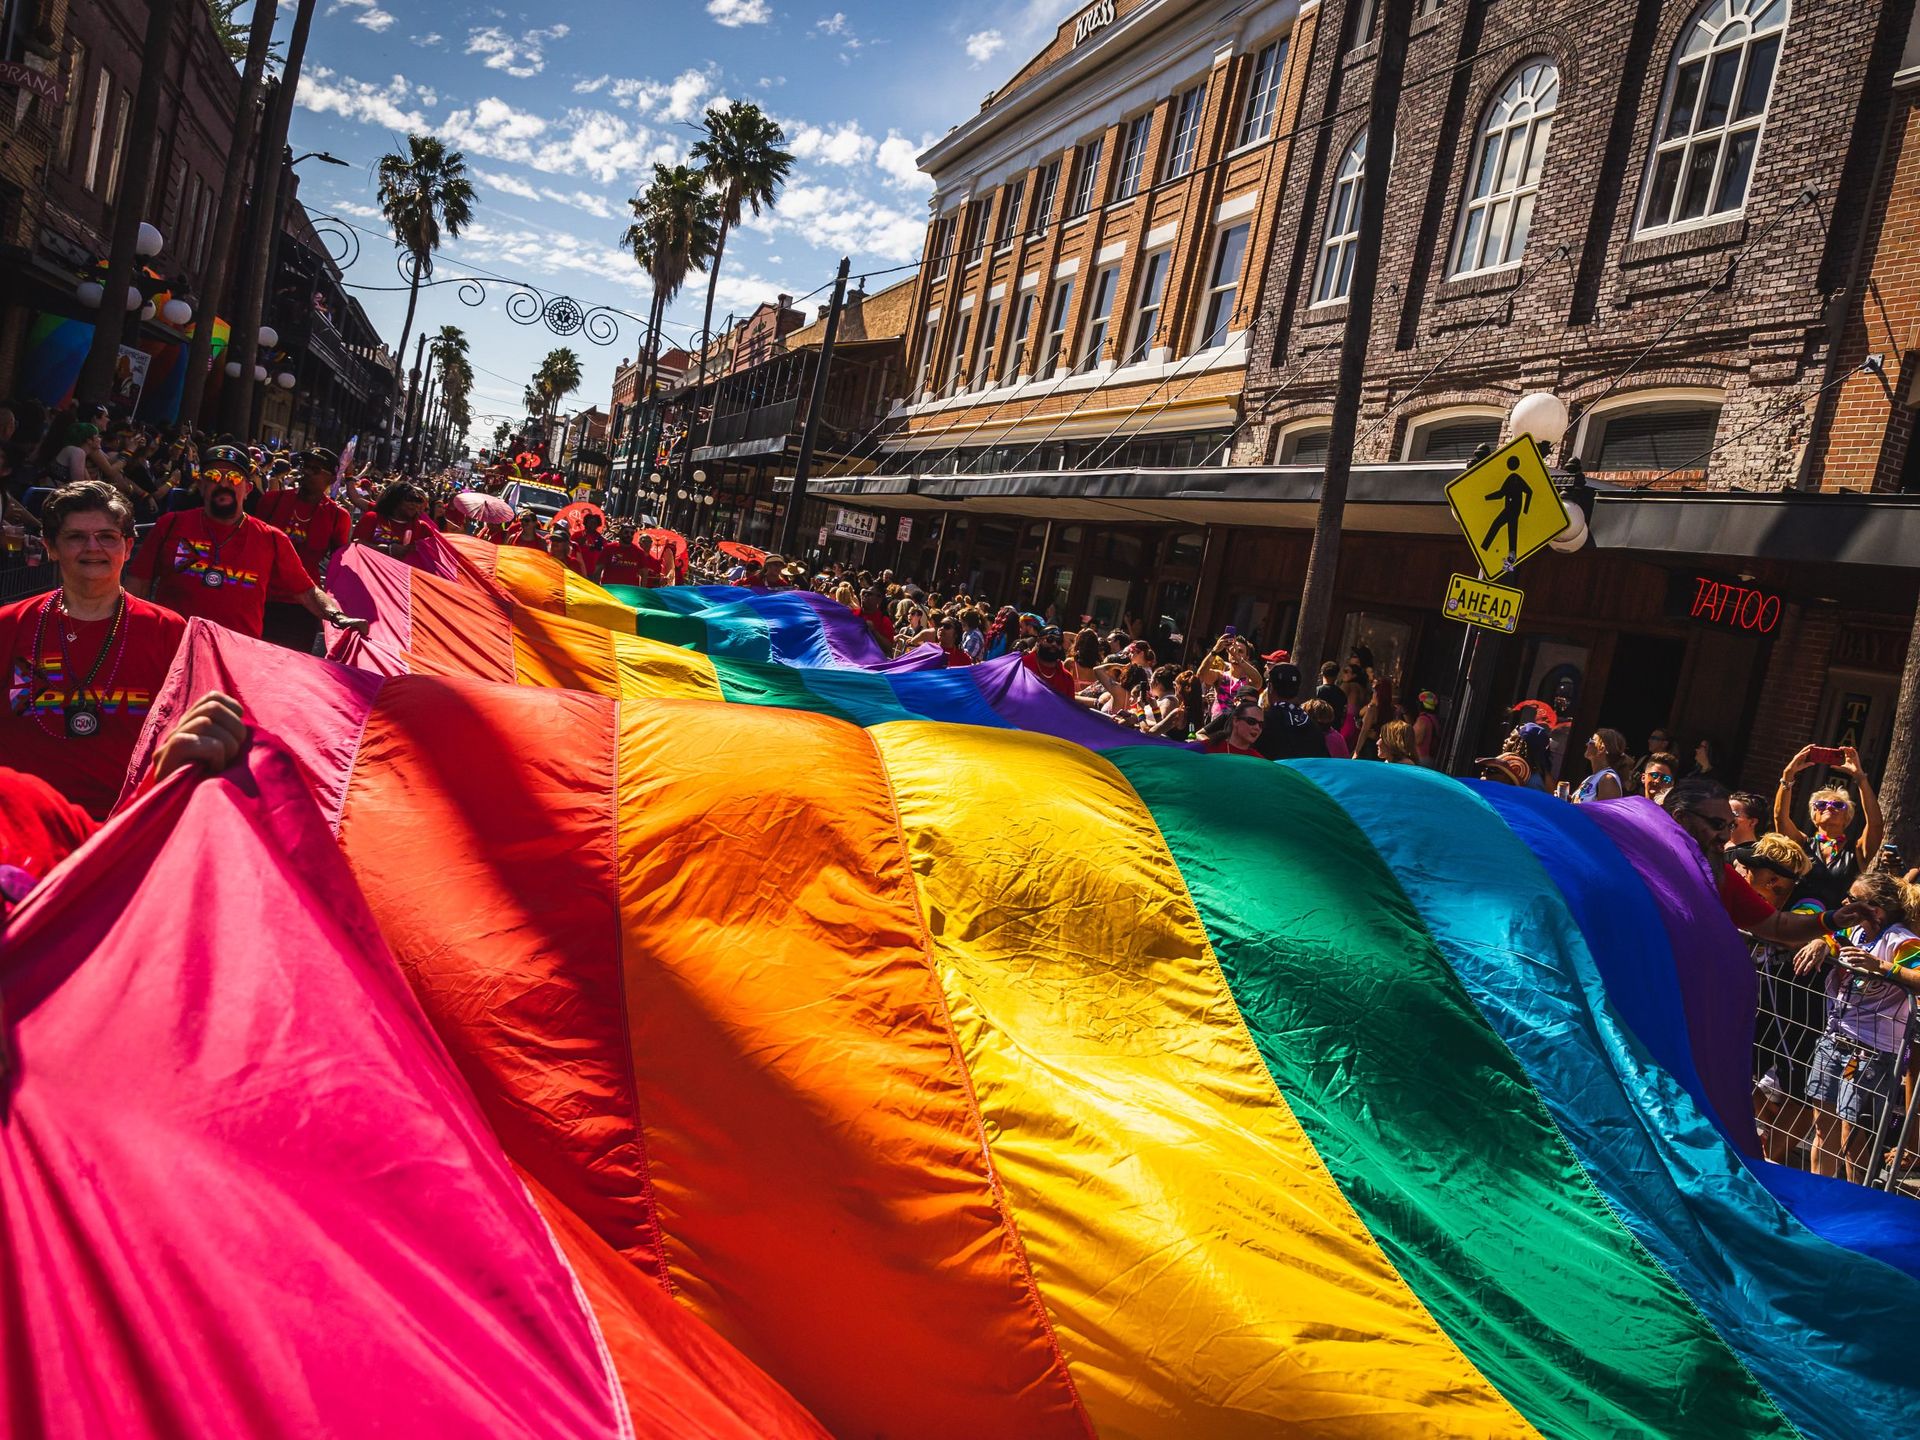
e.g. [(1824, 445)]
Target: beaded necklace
[(81, 719)]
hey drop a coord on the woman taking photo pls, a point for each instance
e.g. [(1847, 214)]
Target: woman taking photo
[(1837, 860)]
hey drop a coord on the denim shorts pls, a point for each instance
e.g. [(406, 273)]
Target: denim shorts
[(1852, 1083)]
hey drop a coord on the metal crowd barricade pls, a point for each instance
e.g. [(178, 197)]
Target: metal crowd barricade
[(1791, 1018)]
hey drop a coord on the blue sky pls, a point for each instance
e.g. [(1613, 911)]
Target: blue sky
[(561, 113)]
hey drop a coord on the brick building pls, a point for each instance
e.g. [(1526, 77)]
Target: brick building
[(1653, 211), (1097, 244), (57, 226)]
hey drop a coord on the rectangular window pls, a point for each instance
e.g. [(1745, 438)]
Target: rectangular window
[(989, 337), (70, 112), (97, 134), (1133, 157), (1223, 287), (942, 245), (957, 362), (973, 239), (1263, 95), (1045, 189), (1056, 328), (1185, 140), (1105, 283), (1017, 340), (1085, 179), (1146, 315), (119, 153), (1010, 211)]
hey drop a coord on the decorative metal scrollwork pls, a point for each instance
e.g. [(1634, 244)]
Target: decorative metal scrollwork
[(525, 304)]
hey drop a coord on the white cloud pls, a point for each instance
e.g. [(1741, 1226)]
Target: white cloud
[(836, 27), (359, 211), (432, 40), (682, 98), (369, 14), (594, 205), (845, 144), (326, 93), (521, 57), (832, 217), (735, 13), (507, 184), (983, 45), (589, 87), (551, 252), (898, 162)]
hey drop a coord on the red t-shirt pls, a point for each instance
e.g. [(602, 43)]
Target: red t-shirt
[(224, 573), (1056, 676), (1227, 747), (528, 537), (38, 830), (587, 553), (391, 536), (623, 565), (317, 528), (1746, 906), (955, 655), (42, 683), (881, 625)]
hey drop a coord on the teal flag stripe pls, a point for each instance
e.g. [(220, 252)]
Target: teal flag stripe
[(1428, 1122)]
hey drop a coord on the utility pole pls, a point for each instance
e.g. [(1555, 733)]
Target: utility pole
[(96, 373), (1323, 561), (244, 346), (226, 220), (790, 523)]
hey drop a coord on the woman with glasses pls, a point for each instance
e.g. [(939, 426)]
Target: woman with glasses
[(1838, 861), (1236, 731)]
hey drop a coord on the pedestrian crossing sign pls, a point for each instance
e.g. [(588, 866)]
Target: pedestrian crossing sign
[(1507, 507)]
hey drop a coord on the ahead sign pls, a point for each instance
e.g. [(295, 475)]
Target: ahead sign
[(1478, 602)]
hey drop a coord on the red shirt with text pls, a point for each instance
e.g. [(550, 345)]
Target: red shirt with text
[(226, 573), (317, 528)]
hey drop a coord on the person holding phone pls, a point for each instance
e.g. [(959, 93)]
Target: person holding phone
[(1838, 860)]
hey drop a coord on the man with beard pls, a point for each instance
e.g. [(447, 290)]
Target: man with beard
[(1699, 807), (221, 563), (1047, 661)]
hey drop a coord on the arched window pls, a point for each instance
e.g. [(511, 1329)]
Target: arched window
[(1508, 160), (1710, 118), (1343, 225)]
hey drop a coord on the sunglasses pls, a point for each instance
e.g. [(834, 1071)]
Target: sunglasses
[(224, 477), (1716, 823), (1655, 777), (1831, 805), (1253, 720)]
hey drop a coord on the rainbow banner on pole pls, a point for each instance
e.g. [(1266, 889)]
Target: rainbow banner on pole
[(971, 1082)]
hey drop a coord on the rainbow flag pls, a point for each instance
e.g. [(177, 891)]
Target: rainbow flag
[(244, 1192), (788, 627), (971, 1082), (424, 624)]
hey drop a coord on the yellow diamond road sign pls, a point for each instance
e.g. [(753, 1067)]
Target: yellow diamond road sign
[(1480, 602), (1507, 507)]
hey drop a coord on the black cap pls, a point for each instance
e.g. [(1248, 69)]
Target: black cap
[(230, 455), (318, 458)]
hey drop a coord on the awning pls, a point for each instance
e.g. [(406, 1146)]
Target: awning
[(1795, 526)]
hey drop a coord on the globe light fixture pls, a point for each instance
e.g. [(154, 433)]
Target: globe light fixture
[(134, 298), (699, 477), (147, 311), (1541, 414), (284, 380), (679, 494), (90, 293), (259, 373), (233, 369), (176, 312), (1575, 535), (269, 337), (149, 241)]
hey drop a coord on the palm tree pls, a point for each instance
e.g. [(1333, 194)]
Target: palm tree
[(559, 376), (423, 193), (675, 230), (742, 158), (502, 433)]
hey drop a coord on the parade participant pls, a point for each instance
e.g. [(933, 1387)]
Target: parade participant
[(950, 646), (40, 827), (397, 518), (1751, 816), (1657, 774), (1872, 969), (1607, 767), (621, 563), (1699, 807), (560, 546), (1396, 743), (1789, 1017), (1047, 661), (1237, 731), (221, 563), (86, 660), (1287, 732), (318, 525), (590, 545), (526, 531), (873, 610)]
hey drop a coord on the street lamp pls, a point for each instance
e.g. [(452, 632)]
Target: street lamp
[(1541, 414), (268, 336), (323, 156), (149, 242)]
